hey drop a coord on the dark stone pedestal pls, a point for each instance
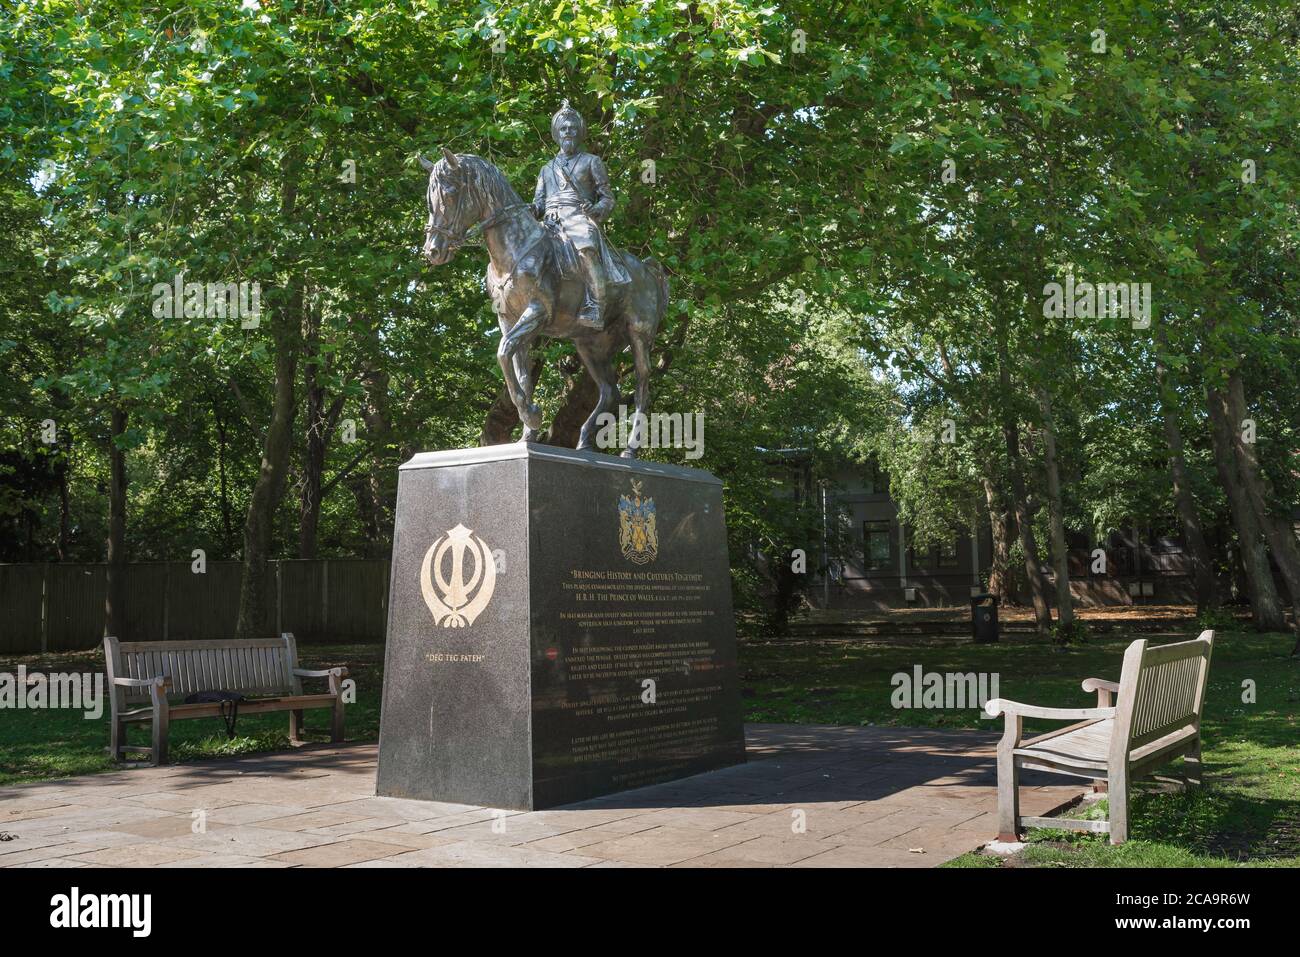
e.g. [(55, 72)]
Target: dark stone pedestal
[(560, 626)]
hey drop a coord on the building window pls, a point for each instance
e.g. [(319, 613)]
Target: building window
[(876, 538), (874, 480), (947, 553)]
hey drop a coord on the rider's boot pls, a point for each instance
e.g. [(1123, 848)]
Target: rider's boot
[(592, 313)]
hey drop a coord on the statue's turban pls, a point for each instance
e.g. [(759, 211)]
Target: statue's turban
[(566, 112)]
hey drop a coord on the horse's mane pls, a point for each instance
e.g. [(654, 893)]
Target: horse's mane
[(484, 178)]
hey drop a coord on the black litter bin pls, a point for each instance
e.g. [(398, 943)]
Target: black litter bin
[(984, 618)]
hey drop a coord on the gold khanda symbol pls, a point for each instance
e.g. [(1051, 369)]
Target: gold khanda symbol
[(456, 601)]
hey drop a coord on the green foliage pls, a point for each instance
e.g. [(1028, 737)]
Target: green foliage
[(1218, 620), (1074, 632), (834, 290)]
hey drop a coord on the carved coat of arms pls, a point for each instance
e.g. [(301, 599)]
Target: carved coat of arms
[(638, 536), (457, 577)]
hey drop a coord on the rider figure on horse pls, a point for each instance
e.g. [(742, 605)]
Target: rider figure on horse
[(573, 193)]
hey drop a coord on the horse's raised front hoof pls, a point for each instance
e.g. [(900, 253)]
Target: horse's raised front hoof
[(627, 454)]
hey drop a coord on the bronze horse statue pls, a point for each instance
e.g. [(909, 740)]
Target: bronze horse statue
[(534, 295)]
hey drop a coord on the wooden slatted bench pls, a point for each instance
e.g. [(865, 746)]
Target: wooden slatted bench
[(1156, 717), (142, 675)]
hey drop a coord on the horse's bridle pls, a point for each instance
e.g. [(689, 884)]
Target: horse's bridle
[(455, 242)]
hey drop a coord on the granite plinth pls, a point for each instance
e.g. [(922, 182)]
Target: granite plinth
[(560, 627)]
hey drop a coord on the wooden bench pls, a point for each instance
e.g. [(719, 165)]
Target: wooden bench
[(143, 674), (1156, 717)]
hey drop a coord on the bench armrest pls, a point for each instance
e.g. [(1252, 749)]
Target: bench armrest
[(158, 687), (327, 672), (1104, 690), (160, 681), (1097, 684), (335, 675), (1017, 712), (1000, 705)]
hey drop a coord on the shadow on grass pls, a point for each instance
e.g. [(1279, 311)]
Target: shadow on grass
[(1196, 827), (1215, 822)]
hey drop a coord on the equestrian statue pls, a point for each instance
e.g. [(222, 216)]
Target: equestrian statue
[(551, 271)]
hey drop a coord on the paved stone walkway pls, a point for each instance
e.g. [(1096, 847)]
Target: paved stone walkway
[(873, 797)]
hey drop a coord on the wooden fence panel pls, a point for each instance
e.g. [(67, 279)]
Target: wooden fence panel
[(335, 600), (356, 601), (76, 606), (203, 606), (303, 586), (21, 594), (144, 597)]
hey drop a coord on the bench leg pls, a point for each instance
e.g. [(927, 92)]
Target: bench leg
[(116, 739), (161, 719), (1192, 765), (160, 724), (297, 725), (336, 725), (1008, 797), (1118, 805)]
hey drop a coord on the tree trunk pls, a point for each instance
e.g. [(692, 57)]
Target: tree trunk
[(268, 489), (1056, 513), (1264, 603), (313, 459), (381, 478), (1207, 586), (65, 510), (115, 576), (227, 529), (1000, 522), (500, 421), (1020, 504), (1259, 492), (579, 400), (1020, 495), (363, 492)]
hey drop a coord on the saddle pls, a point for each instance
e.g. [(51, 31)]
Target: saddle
[(562, 249), (566, 256), (562, 255)]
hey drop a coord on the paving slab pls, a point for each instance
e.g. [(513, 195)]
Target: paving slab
[(809, 796), (664, 845), (135, 855), (339, 853), (477, 854)]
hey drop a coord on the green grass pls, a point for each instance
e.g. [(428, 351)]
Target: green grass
[(1249, 812), (1220, 825), (35, 745)]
